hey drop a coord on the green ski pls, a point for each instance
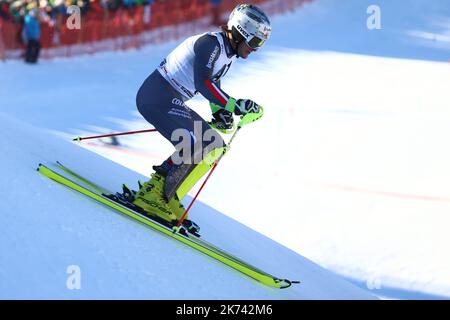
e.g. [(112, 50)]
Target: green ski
[(94, 191)]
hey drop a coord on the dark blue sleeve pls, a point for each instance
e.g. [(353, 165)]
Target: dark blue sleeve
[(207, 51)]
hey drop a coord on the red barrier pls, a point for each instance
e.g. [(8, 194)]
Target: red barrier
[(129, 28)]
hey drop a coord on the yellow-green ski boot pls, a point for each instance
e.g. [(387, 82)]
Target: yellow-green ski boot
[(150, 198), (177, 207)]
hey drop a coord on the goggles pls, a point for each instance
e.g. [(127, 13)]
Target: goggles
[(255, 43)]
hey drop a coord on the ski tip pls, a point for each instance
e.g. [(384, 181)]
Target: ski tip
[(77, 139), (39, 166), (285, 283)]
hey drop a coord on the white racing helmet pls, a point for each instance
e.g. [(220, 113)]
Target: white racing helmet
[(250, 24)]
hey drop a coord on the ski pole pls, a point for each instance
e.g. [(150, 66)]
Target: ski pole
[(203, 184), (113, 134), (248, 118)]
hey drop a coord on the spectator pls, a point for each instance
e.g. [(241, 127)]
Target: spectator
[(31, 33), (17, 10), (4, 10), (128, 3), (113, 5)]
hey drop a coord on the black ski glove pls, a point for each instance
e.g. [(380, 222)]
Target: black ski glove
[(223, 119), (244, 106)]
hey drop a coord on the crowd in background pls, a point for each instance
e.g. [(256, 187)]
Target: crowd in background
[(29, 14), (16, 10)]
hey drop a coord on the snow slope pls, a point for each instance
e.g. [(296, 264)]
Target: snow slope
[(353, 139), (46, 229)]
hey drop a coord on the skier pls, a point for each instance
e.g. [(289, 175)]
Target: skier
[(195, 66)]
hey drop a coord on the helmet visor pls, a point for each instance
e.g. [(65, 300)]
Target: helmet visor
[(255, 42)]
